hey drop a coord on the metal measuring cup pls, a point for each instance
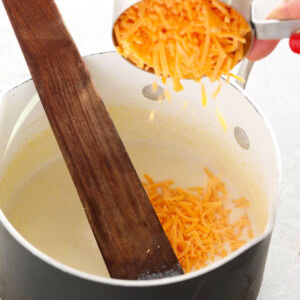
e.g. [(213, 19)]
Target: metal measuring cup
[(263, 30)]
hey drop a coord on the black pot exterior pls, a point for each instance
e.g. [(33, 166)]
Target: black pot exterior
[(24, 276)]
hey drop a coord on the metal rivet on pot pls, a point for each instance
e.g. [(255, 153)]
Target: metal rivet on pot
[(153, 95), (241, 138)]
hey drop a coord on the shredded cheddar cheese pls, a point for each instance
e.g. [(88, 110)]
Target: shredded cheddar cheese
[(242, 202), (185, 104), (197, 222), (167, 94), (221, 119), (239, 78), (204, 96), (217, 91), (154, 86), (151, 115), (182, 39)]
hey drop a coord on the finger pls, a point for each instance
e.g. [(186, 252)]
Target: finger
[(261, 48), (287, 10)]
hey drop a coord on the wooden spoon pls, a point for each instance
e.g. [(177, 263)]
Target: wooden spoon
[(128, 232)]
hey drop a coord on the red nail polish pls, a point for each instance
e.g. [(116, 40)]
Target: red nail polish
[(295, 42)]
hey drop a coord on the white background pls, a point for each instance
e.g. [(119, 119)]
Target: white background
[(274, 83)]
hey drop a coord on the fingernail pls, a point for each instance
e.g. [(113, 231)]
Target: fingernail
[(295, 42)]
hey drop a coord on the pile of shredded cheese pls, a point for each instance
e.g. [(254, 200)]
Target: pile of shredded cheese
[(182, 39), (197, 222)]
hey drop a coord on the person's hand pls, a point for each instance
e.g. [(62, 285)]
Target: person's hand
[(288, 9)]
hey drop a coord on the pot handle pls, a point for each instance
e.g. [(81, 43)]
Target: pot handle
[(244, 72)]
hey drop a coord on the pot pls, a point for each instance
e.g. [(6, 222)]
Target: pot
[(247, 157)]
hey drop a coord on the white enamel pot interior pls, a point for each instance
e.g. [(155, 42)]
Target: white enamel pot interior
[(246, 157)]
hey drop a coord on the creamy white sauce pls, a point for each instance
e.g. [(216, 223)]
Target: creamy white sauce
[(40, 201)]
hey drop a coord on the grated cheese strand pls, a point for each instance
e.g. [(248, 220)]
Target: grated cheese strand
[(217, 91), (151, 115), (204, 96), (221, 119), (154, 86)]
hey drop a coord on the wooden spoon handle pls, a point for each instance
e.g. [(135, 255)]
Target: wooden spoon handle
[(127, 230)]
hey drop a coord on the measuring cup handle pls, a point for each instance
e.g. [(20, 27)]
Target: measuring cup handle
[(275, 29), (244, 72)]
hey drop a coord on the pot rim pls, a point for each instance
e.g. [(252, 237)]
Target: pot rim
[(170, 280)]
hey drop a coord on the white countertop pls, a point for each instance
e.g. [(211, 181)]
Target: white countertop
[(275, 85)]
